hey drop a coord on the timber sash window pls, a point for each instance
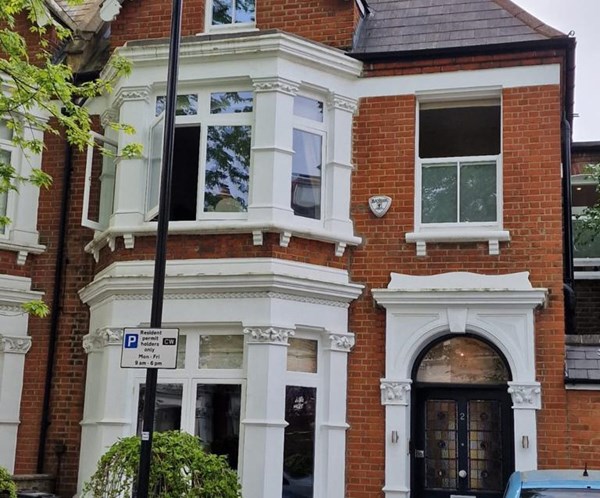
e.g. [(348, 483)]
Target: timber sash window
[(230, 13)]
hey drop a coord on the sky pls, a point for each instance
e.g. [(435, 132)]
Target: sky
[(582, 17)]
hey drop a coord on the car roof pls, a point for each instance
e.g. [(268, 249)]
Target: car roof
[(560, 479)]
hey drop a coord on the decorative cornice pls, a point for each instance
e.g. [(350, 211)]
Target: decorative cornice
[(395, 392), (100, 338), (275, 85), (269, 335), (526, 396), (128, 94), (341, 342), (14, 344)]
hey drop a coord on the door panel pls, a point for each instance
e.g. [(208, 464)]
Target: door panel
[(462, 442)]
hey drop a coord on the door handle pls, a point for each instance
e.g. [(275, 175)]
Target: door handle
[(419, 453), (462, 474)]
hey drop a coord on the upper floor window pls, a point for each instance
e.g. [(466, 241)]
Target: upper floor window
[(211, 161), (6, 152), (459, 151), (232, 12), (307, 162), (584, 194)]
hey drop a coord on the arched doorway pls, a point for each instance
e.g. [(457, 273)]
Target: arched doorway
[(462, 420)]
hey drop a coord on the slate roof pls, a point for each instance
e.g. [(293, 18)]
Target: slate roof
[(78, 17), (397, 26), (582, 360)]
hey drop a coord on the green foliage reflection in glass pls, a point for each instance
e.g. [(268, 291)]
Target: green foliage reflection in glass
[(231, 102), (227, 168), (187, 105), (232, 11), (441, 192)]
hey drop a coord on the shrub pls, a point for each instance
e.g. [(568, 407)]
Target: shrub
[(7, 485), (180, 467)]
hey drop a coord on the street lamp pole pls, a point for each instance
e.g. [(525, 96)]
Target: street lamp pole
[(158, 288)]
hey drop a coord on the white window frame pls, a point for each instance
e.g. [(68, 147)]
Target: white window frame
[(491, 232), (8, 202), (233, 26), (586, 267), (204, 119), (319, 128), (107, 184), (190, 376)]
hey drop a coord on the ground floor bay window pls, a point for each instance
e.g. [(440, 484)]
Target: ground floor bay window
[(261, 368)]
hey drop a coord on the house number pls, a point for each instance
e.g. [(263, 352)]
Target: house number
[(462, 416)]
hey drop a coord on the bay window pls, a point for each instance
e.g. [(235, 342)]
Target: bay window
[(203, 395), (6, 152), (211, 160)]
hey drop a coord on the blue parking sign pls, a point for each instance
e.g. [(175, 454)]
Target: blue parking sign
[(131, 341)]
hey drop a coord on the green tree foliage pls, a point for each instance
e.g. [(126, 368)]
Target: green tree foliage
[(180, 468), (36, 88), (7, 485)]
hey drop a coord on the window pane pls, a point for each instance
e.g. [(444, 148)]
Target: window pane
[(299, 442), (221, 351), (5, 132), (459, 131), (584, 195), (227, 168), (168, 407), (308, 108), (244, 11), (478, 191), (438, 195), (306, 174), (218, 419), (222, 12), (587, 244), (187, 105), (181, 344), (302, 356), (462, 360), (184, 182), (230, 102)]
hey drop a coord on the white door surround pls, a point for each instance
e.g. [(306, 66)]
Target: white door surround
[(421, 309)]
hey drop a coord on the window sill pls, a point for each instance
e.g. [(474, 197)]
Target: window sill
[(492, 237), (256, 229), (228, 28), (22, 250)]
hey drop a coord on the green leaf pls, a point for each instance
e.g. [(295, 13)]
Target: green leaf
[(36, 308)]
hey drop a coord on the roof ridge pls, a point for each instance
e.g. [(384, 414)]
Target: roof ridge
[(530, 20)]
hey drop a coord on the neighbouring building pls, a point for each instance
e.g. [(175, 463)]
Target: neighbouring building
[(369, 250)]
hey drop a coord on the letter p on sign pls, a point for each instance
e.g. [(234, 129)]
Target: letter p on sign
[(131, 341)]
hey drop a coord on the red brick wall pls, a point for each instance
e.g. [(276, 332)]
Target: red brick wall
[(69, 374), (324, 21), (584, 429), (384, 153)]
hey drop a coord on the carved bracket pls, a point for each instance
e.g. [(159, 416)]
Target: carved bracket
[(395, 392), (342, 342), (526, 396), (15, 345), (269, 335), (100, 338)]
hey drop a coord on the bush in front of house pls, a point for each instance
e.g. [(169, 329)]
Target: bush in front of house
[(180, 467), (8, 489)]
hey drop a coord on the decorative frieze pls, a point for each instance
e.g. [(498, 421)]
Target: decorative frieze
[(272, 335), (100, 338), (109, 116), (127, 94), (526, 396), (395, 392), (341, 342), (344, 103), (275, 85), (15, 345)]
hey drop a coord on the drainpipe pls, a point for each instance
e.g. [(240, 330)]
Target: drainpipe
[(569, 291), (59, 272)]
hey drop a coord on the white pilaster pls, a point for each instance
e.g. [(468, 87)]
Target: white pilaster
[(135, 109), (264, 423), (12, 362), (526, 398), (338, 169), (270, 185), (107, 407)]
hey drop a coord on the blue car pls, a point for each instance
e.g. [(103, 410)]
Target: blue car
[(554, 484)]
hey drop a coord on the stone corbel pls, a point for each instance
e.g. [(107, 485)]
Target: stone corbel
[(341, 342), (15, 345), (268, 335), (395, 392), (525, 396), (100, 338)]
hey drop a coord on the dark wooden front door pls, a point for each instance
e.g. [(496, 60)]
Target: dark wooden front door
[(462, 442)]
